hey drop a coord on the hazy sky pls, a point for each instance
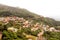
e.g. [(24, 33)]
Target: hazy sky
[(49, 8)]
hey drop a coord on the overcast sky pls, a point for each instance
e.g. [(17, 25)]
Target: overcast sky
[(49, 8)]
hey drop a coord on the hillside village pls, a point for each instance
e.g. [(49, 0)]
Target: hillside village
[(22, 24)]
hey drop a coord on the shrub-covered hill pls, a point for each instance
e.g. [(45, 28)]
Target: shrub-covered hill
[(20, 12)]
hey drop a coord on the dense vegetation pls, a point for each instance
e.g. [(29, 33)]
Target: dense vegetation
[(52, 35)]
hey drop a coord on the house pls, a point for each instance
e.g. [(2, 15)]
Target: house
[(36, 25), (26, 24), (21, 19), (46, 27), (34, 29), (52, 29), (12, 29), (2, 18)]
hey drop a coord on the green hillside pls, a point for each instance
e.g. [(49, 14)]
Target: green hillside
[(20, 12)]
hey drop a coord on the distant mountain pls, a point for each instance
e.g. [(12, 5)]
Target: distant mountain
[(20, 12), (58, 19)]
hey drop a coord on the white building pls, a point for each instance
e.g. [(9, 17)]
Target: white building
[(52, 29), (12, 29), (2, 18)]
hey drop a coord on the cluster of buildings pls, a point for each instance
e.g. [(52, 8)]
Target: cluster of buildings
[(7, 19), (26, 23)]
